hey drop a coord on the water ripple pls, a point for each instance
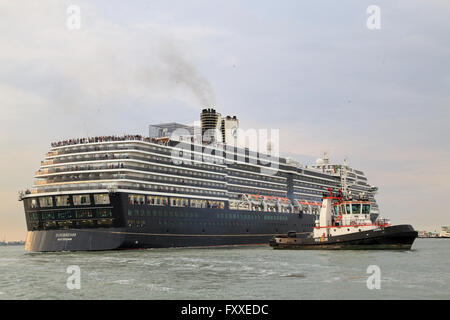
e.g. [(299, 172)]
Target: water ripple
[(235, 273)]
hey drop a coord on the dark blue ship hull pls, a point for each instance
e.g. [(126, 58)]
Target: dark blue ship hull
[(146, 226)]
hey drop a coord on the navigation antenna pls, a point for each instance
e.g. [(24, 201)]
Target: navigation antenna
[(343, 173), (344, 182)]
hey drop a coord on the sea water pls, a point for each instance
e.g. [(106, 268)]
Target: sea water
[(228, 273)]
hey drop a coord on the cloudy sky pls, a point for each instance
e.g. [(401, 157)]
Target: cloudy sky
[(309, 68)]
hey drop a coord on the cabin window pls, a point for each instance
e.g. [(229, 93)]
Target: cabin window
[(347, 209), (198, 203), (34, 216), (104, 213), (132, 199), (63, 215), (216, 204), (157, 201), (356, 208), (31, 203), (336, 210), (62, 201), (101, 198), (179, 202), (34, 203), (83, 214), (50, 225), (81, 200), (366, 208), (48, 216), (65, 224), (46, 202), (140, 199)]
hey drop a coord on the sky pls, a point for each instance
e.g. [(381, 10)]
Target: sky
[(312, 69)]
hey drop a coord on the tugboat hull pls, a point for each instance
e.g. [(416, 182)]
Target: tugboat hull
[(399, 237)]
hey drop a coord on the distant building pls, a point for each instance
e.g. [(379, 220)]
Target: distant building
[(428, 234), (445, 232), (423, 234)]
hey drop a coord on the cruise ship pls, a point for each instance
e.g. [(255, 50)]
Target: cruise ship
[(170, 189)]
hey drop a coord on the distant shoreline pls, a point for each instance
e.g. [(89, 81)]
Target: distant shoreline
[(433, 237), (18, 243)]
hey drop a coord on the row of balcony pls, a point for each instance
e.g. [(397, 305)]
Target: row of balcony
[(105, 176)]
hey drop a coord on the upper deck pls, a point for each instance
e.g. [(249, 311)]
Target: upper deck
[(183, 168)]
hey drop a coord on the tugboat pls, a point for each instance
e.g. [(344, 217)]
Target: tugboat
[(344, 223)]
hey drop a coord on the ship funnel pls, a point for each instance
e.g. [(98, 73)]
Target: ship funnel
[(210, 124)]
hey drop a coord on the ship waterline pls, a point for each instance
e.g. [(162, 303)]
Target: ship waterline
[(107, 193)]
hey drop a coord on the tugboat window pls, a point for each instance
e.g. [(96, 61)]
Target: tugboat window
[(336, 210), (356, 208), (366, 208), (347, 209)]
